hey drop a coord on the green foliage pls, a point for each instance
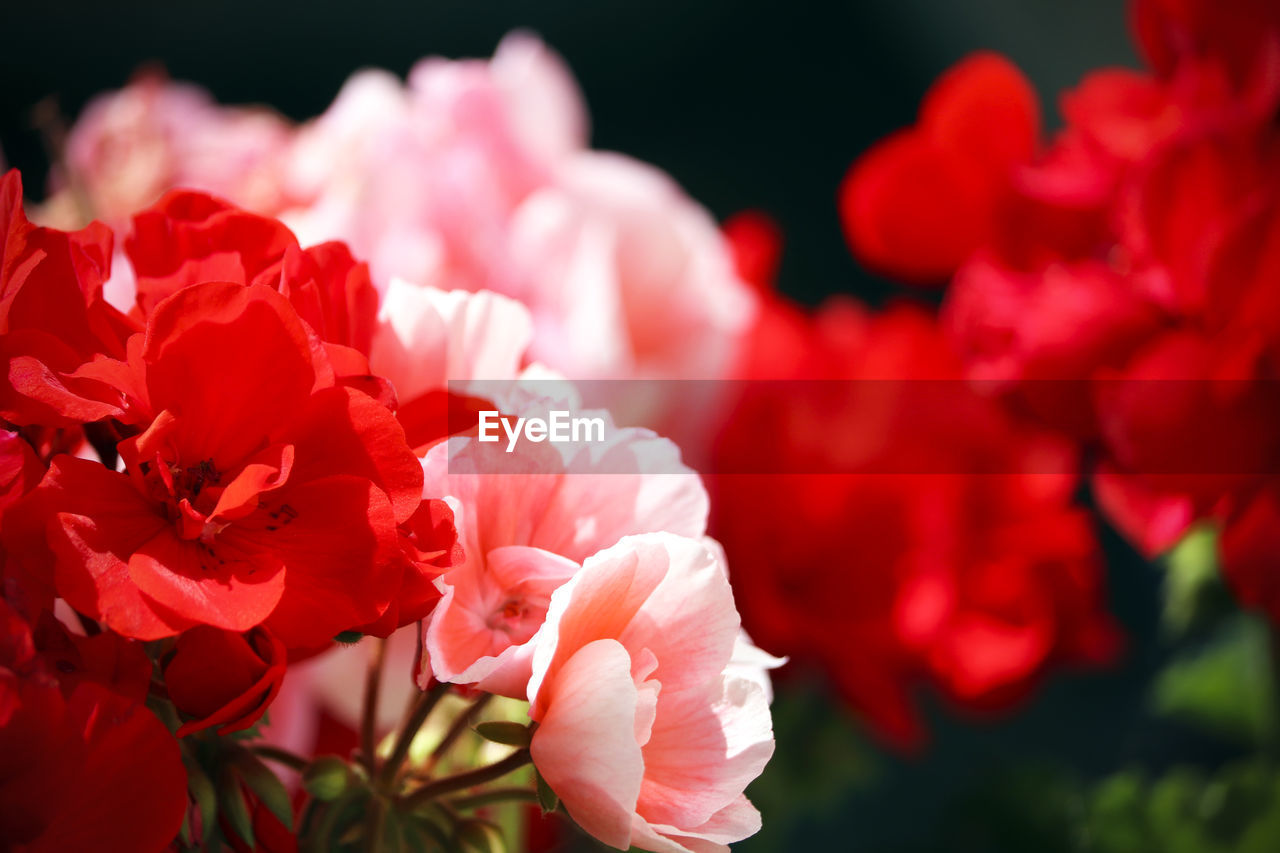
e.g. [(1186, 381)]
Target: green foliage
[(1225, 686), (1193, 593), (1235, 810), (820, 759), (264, 784)]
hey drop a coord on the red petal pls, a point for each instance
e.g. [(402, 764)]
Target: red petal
[(210, 584), (340, 552), (234, 361), (96, 520), (189, 238), (341, 431)]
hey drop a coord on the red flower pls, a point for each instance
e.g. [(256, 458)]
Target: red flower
[(941, 547), (82, 767), (20, 470), (756, 243), (430, 546), (224, 678), (53, 319), (921, 201), (1124, 293), (258, 490), (188, 237)]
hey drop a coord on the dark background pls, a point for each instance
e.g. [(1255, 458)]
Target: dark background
[(747, 104)]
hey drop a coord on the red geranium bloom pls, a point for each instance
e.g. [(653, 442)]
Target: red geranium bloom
[(83, 764), (941, 546), (257, 491), (224, 678), (429, 544), (921, 201), (188, 237), (53, 319)]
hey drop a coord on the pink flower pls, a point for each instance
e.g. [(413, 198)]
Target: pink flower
[(525, 533), (474, 175), (626, 276), (427, 338), (644, 735), (422, 179), (130, 146)]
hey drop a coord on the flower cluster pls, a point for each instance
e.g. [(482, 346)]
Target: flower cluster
[(471, 175), (209, 483), (475, 175), (905, 530), (1115, 283)]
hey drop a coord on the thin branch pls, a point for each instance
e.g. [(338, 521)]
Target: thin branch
[(495, 796), (426, 703), (369, 718), (459, 726), (469, 779)]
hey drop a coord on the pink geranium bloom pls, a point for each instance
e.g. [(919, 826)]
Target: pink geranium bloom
[(422, 178), (427, 338), (527, 532), (130, 146), (644, 733), (626, 276)]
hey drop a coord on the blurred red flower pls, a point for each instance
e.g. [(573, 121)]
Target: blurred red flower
[(940, 547), (1152, 333)]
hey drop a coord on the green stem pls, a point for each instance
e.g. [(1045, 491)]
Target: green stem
[(459, 725), (369, 717), (373, 825), (280, 756), (495, 796), (426, 703), (469, 779)]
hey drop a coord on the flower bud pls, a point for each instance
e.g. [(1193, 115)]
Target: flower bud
[(327, 778)]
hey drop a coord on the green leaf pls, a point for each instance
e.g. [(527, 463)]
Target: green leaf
[(1192, 582), (266, 785), (203, 794), (480, 836), (232, 802), (505, 732), (1226, 687), (547, 798)]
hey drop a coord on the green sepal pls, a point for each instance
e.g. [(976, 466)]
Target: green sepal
[(327, 778), (547, 798), (265, 785), (505, 732), (232, 803), (203, 794)]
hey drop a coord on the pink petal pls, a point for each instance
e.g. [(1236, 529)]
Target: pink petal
[(585, 744)]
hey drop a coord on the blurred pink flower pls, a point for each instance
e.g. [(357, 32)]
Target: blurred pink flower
[(626, 276), (422, 178), (476, 175), (427, 337), (644, 734), (132, 145)]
